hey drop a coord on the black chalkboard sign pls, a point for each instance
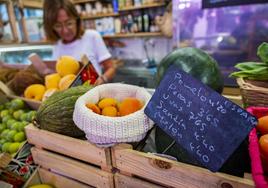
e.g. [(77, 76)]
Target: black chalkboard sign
[(224, 3), (206, 124)]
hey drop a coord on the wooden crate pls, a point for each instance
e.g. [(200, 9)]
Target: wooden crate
[(168, 173), (47, 177), (74, 158)]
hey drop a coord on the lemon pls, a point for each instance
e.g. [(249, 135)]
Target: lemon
[(13, 147), (19, 137), (41, 186)]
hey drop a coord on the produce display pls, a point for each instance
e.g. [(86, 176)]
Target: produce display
[(254, 70), (67, 68), (262, 128), (56, 113), (14, 117), (113, 108)]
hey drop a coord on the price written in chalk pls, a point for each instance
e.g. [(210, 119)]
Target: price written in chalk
[(207, 125)]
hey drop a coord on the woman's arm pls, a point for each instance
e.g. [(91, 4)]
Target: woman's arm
[(109, 72)]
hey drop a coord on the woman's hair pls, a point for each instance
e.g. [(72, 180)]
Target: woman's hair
[(51, 9)]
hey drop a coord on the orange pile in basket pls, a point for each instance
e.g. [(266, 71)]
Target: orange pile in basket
[(113, 108), (262, 128)]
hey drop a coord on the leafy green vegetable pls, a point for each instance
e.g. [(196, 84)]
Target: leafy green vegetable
[(249, 65), (254, 70), (263, 52)]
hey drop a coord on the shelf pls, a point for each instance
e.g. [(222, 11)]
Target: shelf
[(143, 6), (99, 16), (33, 3), (82, 1), (129, 35)]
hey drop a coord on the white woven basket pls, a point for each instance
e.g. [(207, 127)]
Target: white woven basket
[(104, 130)]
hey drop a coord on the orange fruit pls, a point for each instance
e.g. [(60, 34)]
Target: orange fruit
[(262, 126), (264, 145), (107, 102), (129, 105), (94, 108), (109, 111)]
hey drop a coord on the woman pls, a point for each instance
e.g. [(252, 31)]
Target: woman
[(63, 26)]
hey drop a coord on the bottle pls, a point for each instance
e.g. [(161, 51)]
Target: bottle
[(146, 23), (115, 6)]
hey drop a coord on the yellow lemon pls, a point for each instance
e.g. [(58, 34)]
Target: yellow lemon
[(67, 65), (66, 81), (52, 80), (35, 91)]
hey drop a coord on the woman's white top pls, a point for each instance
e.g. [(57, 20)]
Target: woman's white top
[(90, 44)]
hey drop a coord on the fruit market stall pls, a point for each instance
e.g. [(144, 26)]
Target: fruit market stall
[(110, 135)]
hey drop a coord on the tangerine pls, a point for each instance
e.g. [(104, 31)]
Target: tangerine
[(129, 105), (94, 108), (109, 111), (262, 126), (264, 145)]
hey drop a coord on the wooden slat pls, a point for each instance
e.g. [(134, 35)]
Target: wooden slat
[(71, 168), (12, 20), (83, 1), (38, 4), (122, 181), (99, 16), (174, 174), (142, 6), (33, 104), (59, 181), (5, 159), (76, 148)]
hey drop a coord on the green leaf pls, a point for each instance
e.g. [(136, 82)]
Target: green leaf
[(250, 65), (263, 52)]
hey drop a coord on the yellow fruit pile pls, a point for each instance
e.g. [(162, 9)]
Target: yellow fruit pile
[(67, 68), (113, 108)]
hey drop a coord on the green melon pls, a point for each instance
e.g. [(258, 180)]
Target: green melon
[(56, 113)]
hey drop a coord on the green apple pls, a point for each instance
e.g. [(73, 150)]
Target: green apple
[(2, 107), (17, 104)]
